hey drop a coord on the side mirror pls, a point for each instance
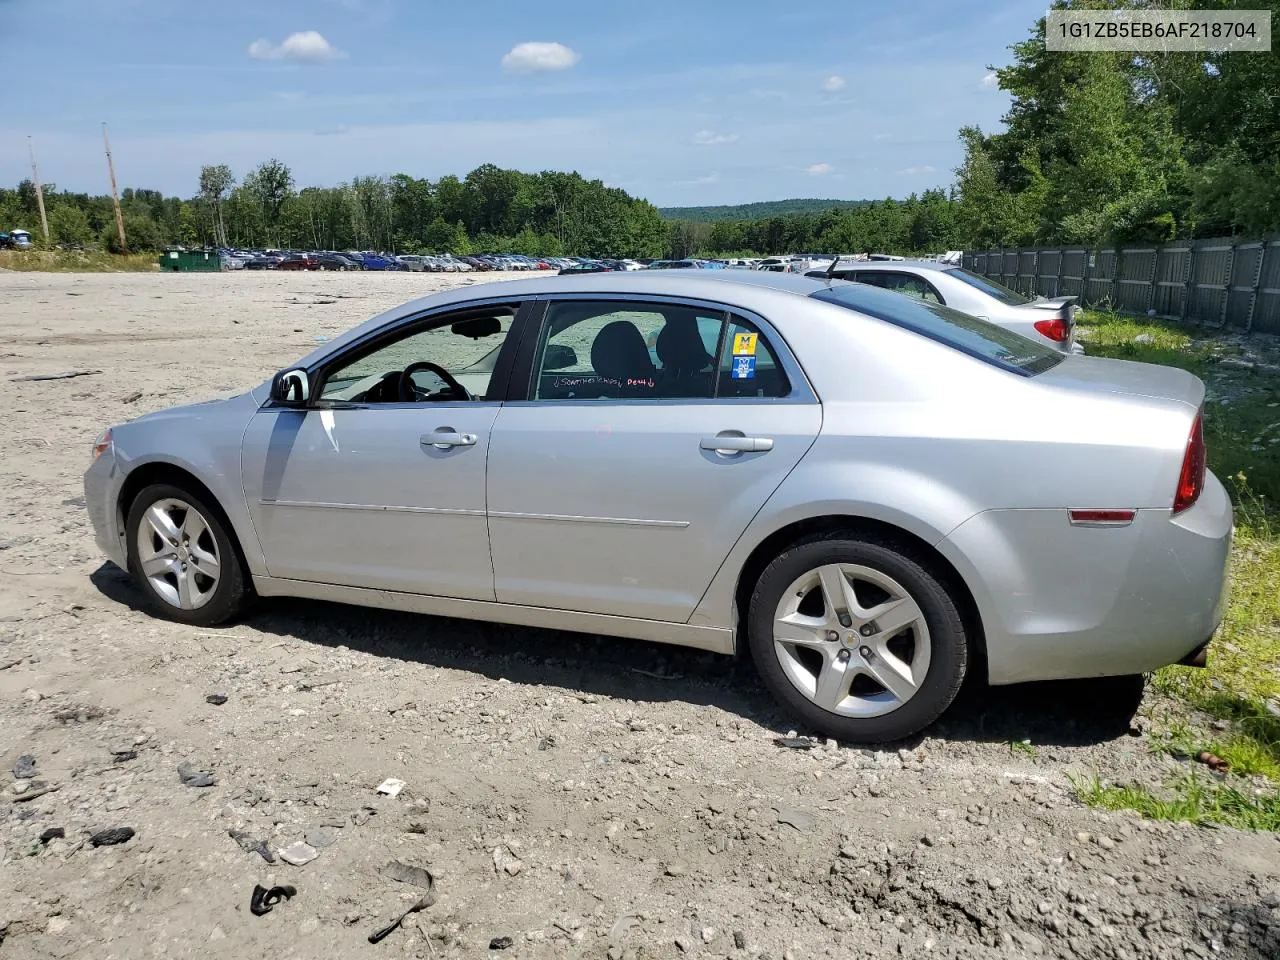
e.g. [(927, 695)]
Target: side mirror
[(291, 387), (559, 357)]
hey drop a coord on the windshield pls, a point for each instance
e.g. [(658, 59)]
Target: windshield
[(992, 289), (978, 338)]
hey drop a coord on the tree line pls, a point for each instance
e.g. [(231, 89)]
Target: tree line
[(490, 209), (1095, 148)]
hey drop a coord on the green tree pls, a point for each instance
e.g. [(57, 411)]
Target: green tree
[(215, 183), (270, 185), (69, 224)]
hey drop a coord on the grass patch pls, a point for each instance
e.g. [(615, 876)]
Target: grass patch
[(1193, 798), (1242, 682), (77, 261), (1024, 747)]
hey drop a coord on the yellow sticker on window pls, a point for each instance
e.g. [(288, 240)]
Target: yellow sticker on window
[(744, 344)]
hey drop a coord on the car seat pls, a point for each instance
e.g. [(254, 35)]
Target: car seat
[(618, 353)]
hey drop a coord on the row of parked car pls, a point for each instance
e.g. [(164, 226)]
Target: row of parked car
[(372, 260)]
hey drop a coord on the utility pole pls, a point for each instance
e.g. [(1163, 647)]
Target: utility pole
[(35, 178), (115, 196)]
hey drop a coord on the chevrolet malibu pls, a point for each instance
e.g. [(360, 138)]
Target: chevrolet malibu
[(871, 495)]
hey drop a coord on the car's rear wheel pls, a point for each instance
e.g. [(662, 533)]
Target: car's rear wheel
[(858, 637), (182, 556)]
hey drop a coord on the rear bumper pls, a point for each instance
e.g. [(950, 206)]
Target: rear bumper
[(1062, 602)]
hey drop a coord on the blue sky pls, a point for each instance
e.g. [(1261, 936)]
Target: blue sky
[(681, 102)]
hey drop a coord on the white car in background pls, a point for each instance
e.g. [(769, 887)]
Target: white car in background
[(1050, 321)]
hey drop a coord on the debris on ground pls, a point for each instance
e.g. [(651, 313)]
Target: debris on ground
[(299, 853), (1213, 762), (53, 833), (216, 698), (262, 900), (505, 861), (25, 768), (500, 943), (390, 787), (64, 375), (795, 743), (800, 819), (251, 844), (192, 777), (427, 900), (407, 873), (111, 836), (33, 790), (320, 837)]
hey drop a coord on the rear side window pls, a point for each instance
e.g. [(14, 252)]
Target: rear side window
[(978, 338), (999, 291), (748, 365), (900, 282), (635, 350)]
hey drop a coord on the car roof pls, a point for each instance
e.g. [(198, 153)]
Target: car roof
[(746, 289), (896, 264), (703, 285)]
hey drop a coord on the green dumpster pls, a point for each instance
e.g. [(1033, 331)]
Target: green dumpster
[(190, 261)]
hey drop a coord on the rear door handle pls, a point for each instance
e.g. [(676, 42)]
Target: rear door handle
[(442, 438), (729, 443)]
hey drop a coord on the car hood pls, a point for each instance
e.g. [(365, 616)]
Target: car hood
[(248, 399), (1102, 375)]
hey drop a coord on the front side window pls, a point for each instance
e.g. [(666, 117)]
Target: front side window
[(620, 350), (449, 360), (978, 338)]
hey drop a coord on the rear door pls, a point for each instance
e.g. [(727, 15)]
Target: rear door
[(652, 431)]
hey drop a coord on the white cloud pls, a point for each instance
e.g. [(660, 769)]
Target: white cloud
[(707, 180), (833, 84), (539, 58), (990, 81), (709, 138), (819, 169), (923, 168), (305, 47)]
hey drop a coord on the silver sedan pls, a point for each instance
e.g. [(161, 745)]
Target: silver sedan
[(1049, 320), (871, 495)]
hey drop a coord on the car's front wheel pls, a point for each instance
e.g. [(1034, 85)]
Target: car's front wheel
[(859, 637), (182, 556)]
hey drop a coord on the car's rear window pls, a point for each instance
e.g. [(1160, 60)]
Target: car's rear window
[(999, 291), (978, 338)]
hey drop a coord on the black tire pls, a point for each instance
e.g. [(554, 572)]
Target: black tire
[(232, 593), (949, 647)]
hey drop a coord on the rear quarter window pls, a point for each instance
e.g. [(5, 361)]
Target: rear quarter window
[(978, 338)]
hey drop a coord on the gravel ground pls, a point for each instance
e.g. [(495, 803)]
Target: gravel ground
[(582, 796)]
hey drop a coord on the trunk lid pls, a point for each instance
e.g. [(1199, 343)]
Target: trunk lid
[(1100, 375)]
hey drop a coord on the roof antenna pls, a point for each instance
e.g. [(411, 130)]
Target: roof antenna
[(831, 270)]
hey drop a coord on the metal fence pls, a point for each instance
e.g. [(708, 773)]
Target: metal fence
[(1231, 283)]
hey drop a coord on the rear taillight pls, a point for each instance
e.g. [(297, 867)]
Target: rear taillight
[(1056, 329), (1191, 480)]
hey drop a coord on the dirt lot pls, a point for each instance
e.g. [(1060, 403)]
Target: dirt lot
[(582, 796)]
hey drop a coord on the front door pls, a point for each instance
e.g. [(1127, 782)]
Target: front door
[(653, 432), (380, 481)]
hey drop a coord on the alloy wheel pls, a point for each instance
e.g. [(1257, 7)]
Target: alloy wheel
[(178, 554), (852, 640)]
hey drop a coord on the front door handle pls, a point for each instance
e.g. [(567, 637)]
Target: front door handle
[(442, 438), (731, 443)]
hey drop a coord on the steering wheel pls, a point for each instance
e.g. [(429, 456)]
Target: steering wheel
[(409, 392)]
